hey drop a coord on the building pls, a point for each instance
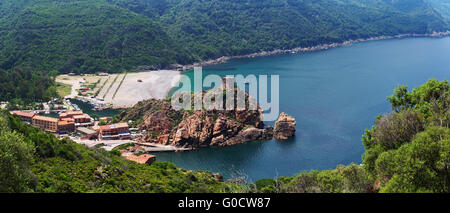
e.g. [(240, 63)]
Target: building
[(84, 118), (78, 117), (25, 116), (141, 159), (87, 134), (59, 107), (46, 123), (65, 127), (119, 131), (69, 114)]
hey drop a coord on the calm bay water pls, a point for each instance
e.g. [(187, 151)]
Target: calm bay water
[(334, 95)]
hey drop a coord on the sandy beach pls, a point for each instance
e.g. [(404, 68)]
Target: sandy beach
[(125, 90), (155, 84)]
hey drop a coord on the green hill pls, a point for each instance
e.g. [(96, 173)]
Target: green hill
[(87, 36), (46, 37), (83, 36), (215, 28), (443, 7), (34, 161)]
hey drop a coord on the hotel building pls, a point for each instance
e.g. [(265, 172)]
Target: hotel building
[(119, 131), (46, 123)]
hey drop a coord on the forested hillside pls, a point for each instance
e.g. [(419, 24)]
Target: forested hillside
[(214, 28), (47, 37), (83, 36), (34, 161), (443, 7)]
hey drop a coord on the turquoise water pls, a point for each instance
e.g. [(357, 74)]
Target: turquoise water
[(333, 94)]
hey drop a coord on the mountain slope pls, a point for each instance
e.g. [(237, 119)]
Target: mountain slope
[(48, 37), (87, 36), (34, 161), (441, 6), (83, 36), (214, 28)]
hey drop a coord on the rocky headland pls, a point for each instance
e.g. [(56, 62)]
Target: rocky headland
[(202, 128)]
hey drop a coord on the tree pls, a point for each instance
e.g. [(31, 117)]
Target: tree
[(400, 99), (16, 157), (420, 166)]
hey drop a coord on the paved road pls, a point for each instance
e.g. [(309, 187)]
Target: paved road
[(111, 144), (108, 145)]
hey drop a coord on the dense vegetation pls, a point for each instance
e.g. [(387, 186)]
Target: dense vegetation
[(23, 85), (84, 36), (214, 28), (34, 161), (407, 150), (87, 36)]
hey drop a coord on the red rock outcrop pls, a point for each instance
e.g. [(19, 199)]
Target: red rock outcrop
[(284, 127), (203, 128)]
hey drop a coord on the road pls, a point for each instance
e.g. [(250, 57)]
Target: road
[(109, 145)]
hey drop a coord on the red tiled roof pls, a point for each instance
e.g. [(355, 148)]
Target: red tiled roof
[(61, 123), (114, 126), (68, 119), (24, 114), (142, 159), (70, 113), (81, 116), (44, 118)]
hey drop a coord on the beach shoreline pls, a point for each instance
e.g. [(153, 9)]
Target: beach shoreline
[(158, 84), (123, 91), (224, 59)]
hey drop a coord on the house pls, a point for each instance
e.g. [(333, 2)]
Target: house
[(119, 131), (84, 118), (80, 118), (87, 134), (25, 116), (69, 114), (141, 159), (59, 107), (66, 126), (46, 123)]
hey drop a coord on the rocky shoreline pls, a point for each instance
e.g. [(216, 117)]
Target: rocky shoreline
[(194, 129), (224, 59)]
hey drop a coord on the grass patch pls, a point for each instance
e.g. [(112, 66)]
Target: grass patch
[(123, 146), (63, 90)]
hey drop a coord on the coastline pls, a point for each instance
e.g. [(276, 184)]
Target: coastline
[(224, 59), (124, 92), (166, 86)]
